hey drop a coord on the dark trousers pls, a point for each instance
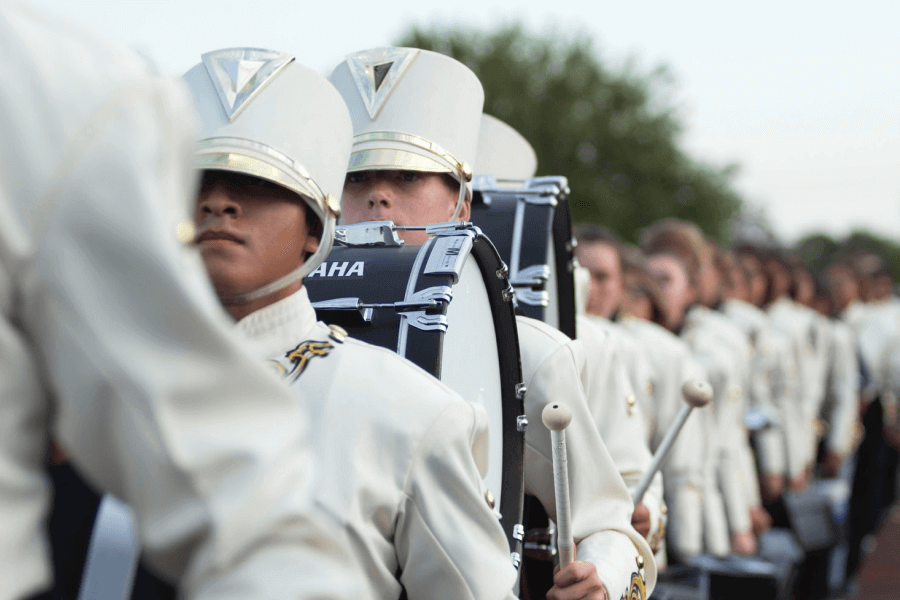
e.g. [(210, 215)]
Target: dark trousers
[(72, 515), (874, 485)]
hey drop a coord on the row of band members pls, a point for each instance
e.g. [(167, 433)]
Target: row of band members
[(814, 359), (400, 503)]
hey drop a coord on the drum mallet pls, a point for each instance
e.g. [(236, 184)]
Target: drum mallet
[(696, 395), (556, 417)]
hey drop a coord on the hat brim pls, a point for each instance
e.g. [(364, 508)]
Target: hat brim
[(373, 159)]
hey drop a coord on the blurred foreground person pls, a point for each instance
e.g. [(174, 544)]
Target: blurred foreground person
[(415, 134), (112, 338), (401, 453)]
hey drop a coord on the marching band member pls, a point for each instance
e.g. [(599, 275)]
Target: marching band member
[(840, 406), (804, 295), (416, 117), (613, 398), (723, 351), (402, 456), (876, 328), (771, 442), (678, 295), (594, 308), (796, 324), (667, 365), (754, 323), (844, 290), (110, 326)]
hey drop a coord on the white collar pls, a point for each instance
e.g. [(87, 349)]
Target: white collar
[(280, 326)]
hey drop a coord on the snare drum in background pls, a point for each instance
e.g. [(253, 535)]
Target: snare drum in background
[(531, 227), (446, 306)]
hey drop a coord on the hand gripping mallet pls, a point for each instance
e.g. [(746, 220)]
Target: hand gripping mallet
[(556, 417), (696, 395)]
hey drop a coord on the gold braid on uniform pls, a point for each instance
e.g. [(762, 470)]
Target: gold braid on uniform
[(300, 356), (637, 589), (658, 536)]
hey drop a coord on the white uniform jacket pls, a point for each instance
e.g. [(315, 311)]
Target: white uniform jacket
[(853, 315), (716, 344), (671, 365), (772, 441), (841, 405), (614, 368), (402, 458), (799, 430), (601, 506), (105, 311), (878, 330), (754, 323)]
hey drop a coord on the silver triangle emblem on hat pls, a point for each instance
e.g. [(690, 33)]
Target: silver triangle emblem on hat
[(377, 71), (238, 74)]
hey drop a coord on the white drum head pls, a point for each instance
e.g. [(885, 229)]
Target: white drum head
[(471, 362)]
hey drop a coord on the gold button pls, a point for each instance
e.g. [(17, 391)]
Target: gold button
[(185, 232), (466, 171), (663, 509), (640, 561), (631, 401), (332, 204), (338, 333), (489, 498)]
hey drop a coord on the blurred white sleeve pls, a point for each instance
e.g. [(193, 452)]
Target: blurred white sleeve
[(155, 401)]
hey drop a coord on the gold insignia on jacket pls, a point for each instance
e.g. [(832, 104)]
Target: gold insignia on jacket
[(657, 538), (300, 356)]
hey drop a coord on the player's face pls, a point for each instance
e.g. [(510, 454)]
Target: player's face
[(408, 198), (638, 305), (735, 284), (250, 232), (758, 281), (780, 277), (607, 283), (805, 287), (676, 289), (709, 281), (843, 286)]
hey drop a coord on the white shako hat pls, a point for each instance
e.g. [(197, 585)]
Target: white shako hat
[(412, 110), (262, 113), (503, 153)]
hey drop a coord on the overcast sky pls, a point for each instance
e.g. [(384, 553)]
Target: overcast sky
[(804, 95)]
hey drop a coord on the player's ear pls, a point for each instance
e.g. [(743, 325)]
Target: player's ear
[(312, 244), (466, 211)]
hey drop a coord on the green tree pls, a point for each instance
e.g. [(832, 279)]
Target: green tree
[(612, 133)]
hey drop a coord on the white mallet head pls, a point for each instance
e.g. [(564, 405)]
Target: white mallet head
[(697, 393), (556, 416)]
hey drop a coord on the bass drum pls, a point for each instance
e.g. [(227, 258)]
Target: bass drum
[(446, 306), (532, 229)]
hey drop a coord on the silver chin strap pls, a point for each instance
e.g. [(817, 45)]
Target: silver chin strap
[(296, 275), (460, 200)]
